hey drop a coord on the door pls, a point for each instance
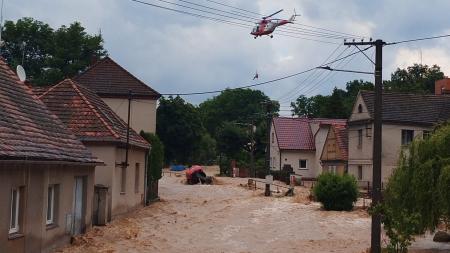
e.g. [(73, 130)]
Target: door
[(79, 207)]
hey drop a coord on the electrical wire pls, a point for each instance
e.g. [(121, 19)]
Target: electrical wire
[(324, 79), (418, 39), (313, 83), (296, 89), (295, 24), (266, 82), (222, 20), (236, 8), (300, 31), (332, 74)]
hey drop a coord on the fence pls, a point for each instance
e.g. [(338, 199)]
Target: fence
[(252, 184)]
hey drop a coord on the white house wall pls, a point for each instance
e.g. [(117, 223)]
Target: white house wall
[(391, 148), (143, 112)]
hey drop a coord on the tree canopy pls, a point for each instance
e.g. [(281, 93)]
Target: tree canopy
[(417, 78), (49, 55), (237, 105), (180, 129), (337, 105)]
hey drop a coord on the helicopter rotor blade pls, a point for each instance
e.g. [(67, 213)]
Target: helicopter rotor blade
[(273, 14)]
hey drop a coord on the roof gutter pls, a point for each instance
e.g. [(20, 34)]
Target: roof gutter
[(21, 161)]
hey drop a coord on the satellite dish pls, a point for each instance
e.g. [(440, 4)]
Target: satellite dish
[(21, 73)]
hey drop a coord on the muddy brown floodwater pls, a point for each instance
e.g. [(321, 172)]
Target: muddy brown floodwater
[(228, 218)]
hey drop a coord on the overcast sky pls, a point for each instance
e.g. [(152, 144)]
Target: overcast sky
[(177, 53)]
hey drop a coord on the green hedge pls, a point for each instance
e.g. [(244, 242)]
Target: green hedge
[(336, 192), (155, 158)]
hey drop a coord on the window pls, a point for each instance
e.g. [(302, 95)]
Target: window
[(360, 172), (123, 180), (136, 178), (15, 206), (407, 136), (426, 134), (52, 203), (331, 148), (360, 138), (303, 164), (332, 169), (360, 109), (273, 138)]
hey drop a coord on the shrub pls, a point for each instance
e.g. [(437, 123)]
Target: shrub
[(155, 158), (336, 192)]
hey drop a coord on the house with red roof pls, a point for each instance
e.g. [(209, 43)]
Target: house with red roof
[(298, 143), (105, 134), (334, 157), (115, 85), (46, 173)]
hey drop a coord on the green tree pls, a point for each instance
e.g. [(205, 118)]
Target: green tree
[(231, 139), (234, 105), (304, 106), (337, 105), (180, 129), (205, 152), (417, 78), (49, 55)]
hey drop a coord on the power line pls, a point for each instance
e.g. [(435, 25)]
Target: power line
[(263, 83), (301, 31), (341, 64), (316, 82), (419, 39), (295, 24), (298, 87), (328, 76), (236, 8)]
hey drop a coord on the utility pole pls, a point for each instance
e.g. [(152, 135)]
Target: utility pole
[(377, 135), (252, 149), (128, 128), (269, 125)]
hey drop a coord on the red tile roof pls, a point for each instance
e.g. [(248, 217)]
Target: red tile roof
[(294, 133), (39, 90), (29, 131), (86, 115), (341, 133), (109, 79)]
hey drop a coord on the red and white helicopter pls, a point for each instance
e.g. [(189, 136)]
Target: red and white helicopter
[(267, 25)]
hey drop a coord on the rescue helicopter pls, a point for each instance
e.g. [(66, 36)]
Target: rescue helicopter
[(267, 24)]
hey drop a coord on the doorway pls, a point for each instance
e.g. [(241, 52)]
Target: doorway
[(79, 205)]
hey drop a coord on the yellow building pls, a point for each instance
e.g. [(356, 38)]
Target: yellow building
[(113, 84)]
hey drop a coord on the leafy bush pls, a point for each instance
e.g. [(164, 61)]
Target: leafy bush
[(155, 158), (336, 192)]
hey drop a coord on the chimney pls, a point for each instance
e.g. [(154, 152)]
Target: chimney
[(442, 87)]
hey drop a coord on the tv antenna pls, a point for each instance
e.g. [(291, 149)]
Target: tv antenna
[(21, 73)]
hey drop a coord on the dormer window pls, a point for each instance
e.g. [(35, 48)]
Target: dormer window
[(360, 109)]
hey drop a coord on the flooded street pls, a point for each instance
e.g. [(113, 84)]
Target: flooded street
[(227, 217)]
